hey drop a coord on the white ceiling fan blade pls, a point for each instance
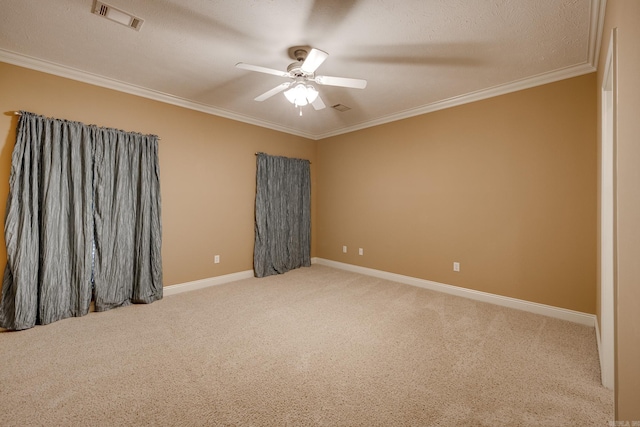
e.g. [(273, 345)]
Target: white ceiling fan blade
[(314, 59), (271, 92), (261, 69), (341, 81), (318, 104)]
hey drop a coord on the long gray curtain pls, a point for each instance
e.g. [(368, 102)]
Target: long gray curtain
[(283, 215), (128, 264), (73, 188)]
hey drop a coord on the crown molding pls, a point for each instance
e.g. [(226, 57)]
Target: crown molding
[(596, 27), (96, 80), (120, 86), (527, 83)]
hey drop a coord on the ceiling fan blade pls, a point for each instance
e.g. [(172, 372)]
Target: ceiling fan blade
[(314, 59), (341, 81), (271, 92), (318, 104), (260, 69)]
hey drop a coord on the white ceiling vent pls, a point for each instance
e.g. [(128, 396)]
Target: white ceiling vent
[(117, 15)]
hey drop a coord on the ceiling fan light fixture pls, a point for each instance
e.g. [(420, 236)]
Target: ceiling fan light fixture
[(297, 95), (301, 94), (300, 91)]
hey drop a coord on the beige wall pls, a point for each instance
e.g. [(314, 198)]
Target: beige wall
[(207, 166), (625, 16), (505, 186)]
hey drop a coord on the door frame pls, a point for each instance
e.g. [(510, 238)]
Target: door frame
[(607, 226)]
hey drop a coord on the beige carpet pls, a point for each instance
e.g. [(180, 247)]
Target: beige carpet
[(316, 346)]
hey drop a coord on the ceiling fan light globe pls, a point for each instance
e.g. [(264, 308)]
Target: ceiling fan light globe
[(290, 95), (312, 93), (301, 102), (297, 95)]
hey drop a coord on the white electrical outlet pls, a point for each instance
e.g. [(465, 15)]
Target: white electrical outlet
[(456, 266), (216, 259), (360, 251), (344, 249)]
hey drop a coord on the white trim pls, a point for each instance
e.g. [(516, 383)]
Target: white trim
[(527, 83), (120, 86), (599, 344), (531, 307), (94, 79), (607, 202), (596, 28), (205, 283), (211, 281)]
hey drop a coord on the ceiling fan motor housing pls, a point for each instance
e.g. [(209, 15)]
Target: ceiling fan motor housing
[(295, 68)]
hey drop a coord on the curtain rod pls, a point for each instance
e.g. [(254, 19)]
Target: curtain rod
[(18, 113), (256, 153)]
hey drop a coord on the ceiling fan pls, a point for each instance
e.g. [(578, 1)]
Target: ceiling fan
[(300, 91)]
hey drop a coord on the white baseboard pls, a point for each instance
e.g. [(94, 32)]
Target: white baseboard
[(606, 369), (599, 344), (205, 283), (532, 307)]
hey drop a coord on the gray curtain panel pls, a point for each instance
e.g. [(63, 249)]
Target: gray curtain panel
[(51, 226), (283, 215), (48, 214), (128, 264)]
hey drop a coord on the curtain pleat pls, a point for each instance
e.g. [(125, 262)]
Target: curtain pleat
[(74, 187), (282, 215)]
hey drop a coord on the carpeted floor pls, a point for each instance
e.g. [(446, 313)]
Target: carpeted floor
[(314, 347)]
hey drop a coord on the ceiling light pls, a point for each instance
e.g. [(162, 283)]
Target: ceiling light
[(300, 94)]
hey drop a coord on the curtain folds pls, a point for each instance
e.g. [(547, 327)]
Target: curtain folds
[(127, 219), (282, 216), (73, 186)]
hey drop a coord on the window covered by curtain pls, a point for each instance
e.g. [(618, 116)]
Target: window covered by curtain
[(128, 264), (73, 187), (283, 215)]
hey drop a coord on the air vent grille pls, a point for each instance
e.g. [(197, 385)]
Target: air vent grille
[(116, 15), (340, 107), (102, 10)]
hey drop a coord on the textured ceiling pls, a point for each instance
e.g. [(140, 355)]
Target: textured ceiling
[(417, 55)]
